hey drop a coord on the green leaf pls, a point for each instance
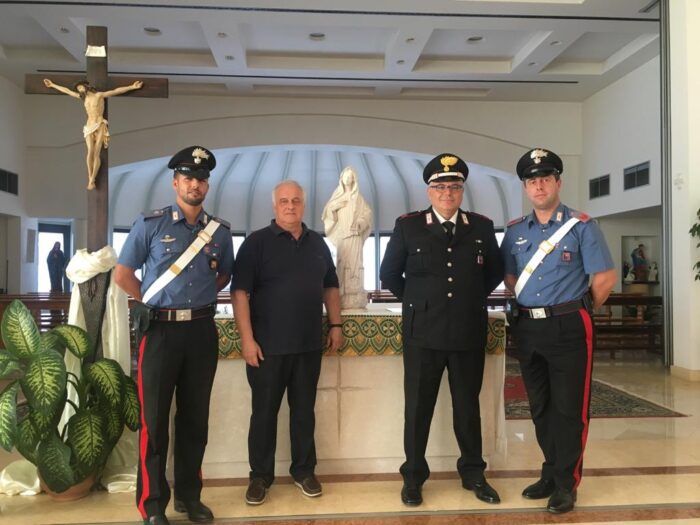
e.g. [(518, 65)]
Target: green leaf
[(19, 331), (86, 437), (52, 341), (44, 382), (131, 408), (114, 425), (75, 339), (53, 461), (45, 423), (8, 365), (28, 439), (107, 377), (8, 417)]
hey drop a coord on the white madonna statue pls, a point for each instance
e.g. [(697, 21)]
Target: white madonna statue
[(347, 220)]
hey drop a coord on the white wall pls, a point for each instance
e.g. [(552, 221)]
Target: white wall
[(622, 128), (493, 134), (684, 21), (21, 274)]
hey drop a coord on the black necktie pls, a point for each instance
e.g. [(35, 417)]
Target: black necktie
[(449, 228)]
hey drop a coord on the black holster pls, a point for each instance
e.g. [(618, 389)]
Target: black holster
[(140, 320)]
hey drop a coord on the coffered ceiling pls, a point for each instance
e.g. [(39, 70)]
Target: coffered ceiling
[(554, 50)]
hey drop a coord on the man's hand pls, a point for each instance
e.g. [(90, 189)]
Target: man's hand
[(251, 352), (335, 338)]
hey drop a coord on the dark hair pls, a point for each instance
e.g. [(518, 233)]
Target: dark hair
[(85, 83)]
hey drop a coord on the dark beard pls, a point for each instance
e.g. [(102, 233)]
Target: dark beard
[(193, 201)]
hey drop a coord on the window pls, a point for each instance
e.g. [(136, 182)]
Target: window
[(599, 187), (637, 176), (8, 181)]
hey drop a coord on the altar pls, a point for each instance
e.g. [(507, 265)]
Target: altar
[(359, 405)]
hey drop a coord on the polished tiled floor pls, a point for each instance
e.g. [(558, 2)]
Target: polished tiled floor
[(643, 470)]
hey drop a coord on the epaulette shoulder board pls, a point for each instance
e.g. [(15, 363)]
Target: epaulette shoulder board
[(222, 222), (583, 217), (517, 220), (155, 213), (410, 214), (479, 215)]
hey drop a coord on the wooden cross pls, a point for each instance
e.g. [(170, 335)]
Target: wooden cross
[(98, 199)]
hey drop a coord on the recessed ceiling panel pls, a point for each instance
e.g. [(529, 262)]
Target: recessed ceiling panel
[(23, 31), (129, 33), (296, 39), (596, 47), (466, 43)]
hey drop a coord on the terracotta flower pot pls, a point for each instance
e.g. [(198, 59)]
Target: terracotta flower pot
[(75, 492)]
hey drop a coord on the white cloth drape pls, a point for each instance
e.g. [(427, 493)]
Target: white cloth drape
[(119, 474)]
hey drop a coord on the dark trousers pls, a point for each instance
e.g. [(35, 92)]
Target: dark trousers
[(180, 358), (556, 360), (422, 374), (298, 374)]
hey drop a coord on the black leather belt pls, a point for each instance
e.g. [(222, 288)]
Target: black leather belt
[(187, 314), (544, 312)]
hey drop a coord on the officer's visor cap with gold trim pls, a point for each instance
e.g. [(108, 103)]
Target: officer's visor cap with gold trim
[(444, 168), (194, 161), (539, 162)]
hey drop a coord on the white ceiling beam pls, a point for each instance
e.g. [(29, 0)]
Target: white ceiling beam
[(405, 48), (540, 52), (224, 40)]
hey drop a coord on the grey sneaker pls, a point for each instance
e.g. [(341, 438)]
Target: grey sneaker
[(309, 486), (256, 493)]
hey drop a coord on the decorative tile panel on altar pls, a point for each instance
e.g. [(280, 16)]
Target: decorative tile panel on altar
[(371, 332)]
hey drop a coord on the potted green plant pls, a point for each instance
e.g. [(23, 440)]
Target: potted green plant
[(32, 364), (695, 232)]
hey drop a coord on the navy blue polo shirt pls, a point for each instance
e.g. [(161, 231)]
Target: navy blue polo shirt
[(563, 275), (286, 279), (158, 238)]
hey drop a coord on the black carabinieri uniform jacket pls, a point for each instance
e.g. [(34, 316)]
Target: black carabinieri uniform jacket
[(443, 285)]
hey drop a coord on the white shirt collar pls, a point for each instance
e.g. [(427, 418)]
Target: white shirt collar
[(452, 219)]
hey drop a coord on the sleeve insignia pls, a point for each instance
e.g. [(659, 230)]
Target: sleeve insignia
[(517, 220), (583, 217)]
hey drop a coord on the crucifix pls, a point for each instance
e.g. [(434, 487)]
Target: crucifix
[(94, 89)]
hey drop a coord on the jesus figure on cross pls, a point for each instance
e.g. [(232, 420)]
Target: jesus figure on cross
[(95, 131)]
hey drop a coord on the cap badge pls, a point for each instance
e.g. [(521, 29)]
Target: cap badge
[(198, 154), (448, 161), (538, 154)]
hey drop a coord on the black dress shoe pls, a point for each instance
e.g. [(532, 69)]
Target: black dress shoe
[(482, 490), (542, 488), (561, 501), (411, 496), (196, 511), (158, 519), (309, 486)]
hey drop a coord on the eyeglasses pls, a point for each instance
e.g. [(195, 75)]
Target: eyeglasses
[(442, 188)]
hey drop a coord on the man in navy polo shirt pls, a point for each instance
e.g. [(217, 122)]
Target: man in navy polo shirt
[(283, 275)]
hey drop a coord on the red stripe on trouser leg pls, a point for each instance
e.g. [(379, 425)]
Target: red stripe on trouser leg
[(143, 437), (588, 326)]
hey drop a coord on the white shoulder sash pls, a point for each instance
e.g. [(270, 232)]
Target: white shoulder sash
[(542, 251), (203, 237)]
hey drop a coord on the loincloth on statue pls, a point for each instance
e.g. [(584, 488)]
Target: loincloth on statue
[(89, 130)]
